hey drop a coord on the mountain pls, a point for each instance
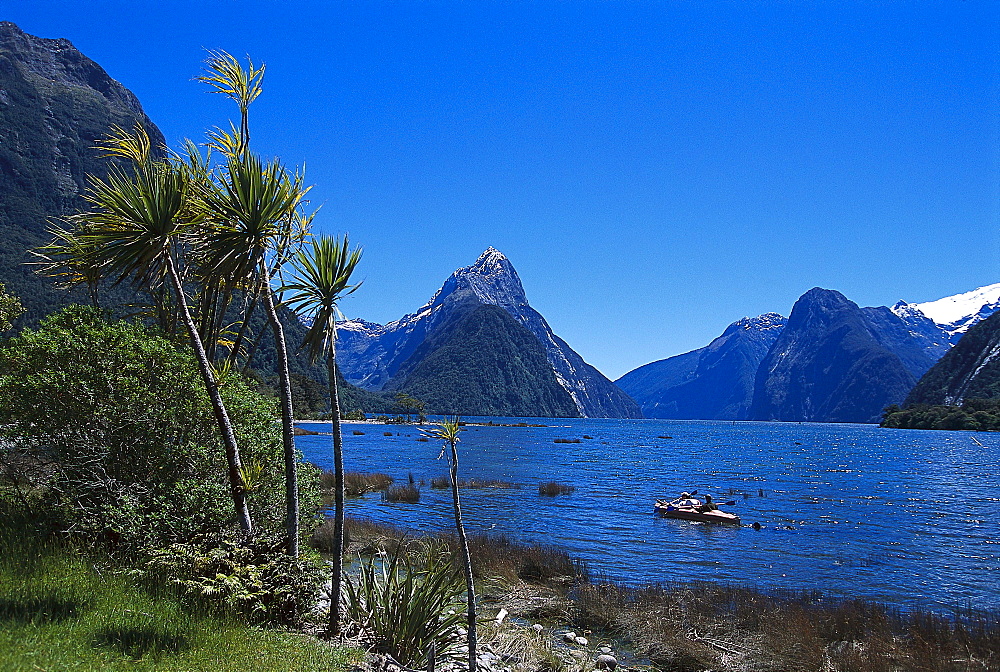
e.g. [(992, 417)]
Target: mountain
[(955, 314), (377, 357), (828, 365), (970, 370), (712, 383), (488, 363), (55, 103)]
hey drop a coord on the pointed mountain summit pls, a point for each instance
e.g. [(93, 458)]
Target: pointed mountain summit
[(380, 357), (828, 365)]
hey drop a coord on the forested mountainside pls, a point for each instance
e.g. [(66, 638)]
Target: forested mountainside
[(380, 357)]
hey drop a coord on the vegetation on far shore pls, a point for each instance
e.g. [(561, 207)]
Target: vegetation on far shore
[(977, 415)]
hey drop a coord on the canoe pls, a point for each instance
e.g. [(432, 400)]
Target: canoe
[(692, 513)]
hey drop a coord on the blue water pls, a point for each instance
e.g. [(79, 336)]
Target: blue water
[(903, 516)]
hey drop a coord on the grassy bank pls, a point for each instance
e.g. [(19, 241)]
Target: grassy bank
[(60, 611), (695, 626)]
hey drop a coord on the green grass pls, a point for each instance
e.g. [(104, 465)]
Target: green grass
[(58, 612)]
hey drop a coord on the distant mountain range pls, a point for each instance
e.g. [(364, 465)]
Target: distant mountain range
[(420, 352), (831, 361)]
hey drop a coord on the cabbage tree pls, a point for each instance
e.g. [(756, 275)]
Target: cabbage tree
[(321, 277)]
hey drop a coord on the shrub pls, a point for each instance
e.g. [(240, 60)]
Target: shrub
[(119, 418), (402, 607), (261, 584)]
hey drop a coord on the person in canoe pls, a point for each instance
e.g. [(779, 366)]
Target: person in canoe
[(686, 500), (709, 505)]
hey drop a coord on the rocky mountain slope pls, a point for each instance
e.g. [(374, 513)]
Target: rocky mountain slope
[(970, 370), (712, 383), (55, 103), (828, 365), (378, 357)]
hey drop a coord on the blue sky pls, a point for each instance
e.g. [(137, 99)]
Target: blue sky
[(654, 170)]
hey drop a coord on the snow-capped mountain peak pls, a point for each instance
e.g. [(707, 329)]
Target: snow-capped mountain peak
[(955, 314)]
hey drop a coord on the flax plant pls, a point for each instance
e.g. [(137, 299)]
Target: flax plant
[(403, 608)]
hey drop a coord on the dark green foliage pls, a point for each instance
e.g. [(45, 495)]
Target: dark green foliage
[(973, 414), (121, 420), (488, 364), (10, 308), (309, 398), (967, 370), (262, 584)]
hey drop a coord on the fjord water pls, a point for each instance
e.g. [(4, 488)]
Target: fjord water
[(903, 516)]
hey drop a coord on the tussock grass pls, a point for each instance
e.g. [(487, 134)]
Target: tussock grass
[(356, 483), (706, 625), (408, 493), (553, 488), (499, 556)]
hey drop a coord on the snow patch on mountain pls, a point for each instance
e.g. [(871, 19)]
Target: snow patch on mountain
[(955, 314)]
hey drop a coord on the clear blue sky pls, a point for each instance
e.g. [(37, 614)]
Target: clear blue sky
[(654, 170)]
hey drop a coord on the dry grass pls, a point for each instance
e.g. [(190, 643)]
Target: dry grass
[(356, 483), (732, 628), (444, 482), (408, 493), (553, 488)]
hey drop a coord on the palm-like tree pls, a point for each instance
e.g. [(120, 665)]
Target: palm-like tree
[(448, 431), (136, 229), (254, 224), (255, 208), (321, 277)]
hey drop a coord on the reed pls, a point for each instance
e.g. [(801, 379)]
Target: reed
[(500, 556), (444, 482), (409, 493), (553, 488), (356, 483)]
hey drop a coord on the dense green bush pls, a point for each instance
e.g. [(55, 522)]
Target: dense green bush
[(972, 415), (262, 584), (122, 431)]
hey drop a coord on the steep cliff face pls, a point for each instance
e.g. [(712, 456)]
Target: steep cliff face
[(378, 356), (486, 363), (970, 370), (55, 104), (828, 366), (712, 383)]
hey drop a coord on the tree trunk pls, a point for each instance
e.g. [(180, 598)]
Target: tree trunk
[(287, 428), (236, 485), (467, 560), (338, 517)]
